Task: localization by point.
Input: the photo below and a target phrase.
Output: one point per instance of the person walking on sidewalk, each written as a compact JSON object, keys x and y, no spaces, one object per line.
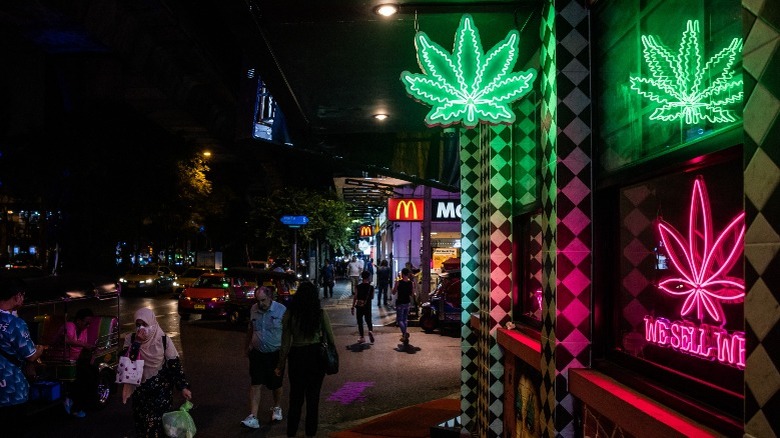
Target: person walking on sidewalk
{"x":328,"y":279}
{"x":362,"y":302}
{"x":354,"y":269}
{"x":263,"y":344}
{"x":304,"y":324}
{"x":405,"y":290}
{"x":383,"y":281}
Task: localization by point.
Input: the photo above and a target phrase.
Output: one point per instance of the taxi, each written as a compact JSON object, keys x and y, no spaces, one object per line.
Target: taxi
{"x":211,"y":292}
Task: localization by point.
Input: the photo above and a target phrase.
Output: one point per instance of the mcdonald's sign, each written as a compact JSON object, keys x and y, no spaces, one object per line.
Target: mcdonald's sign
{"x":366,"y":231}
{"x":410,"y":209}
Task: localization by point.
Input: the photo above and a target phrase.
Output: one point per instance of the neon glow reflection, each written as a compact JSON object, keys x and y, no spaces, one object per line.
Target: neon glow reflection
{"x":686,"y":88}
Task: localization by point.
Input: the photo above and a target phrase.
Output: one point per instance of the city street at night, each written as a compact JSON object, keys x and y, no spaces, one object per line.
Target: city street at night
{"x":370,"y":383}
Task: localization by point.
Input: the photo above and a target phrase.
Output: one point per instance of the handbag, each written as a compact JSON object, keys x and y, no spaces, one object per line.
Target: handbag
{"x":329,"y":357}
{"x":128,"y":370}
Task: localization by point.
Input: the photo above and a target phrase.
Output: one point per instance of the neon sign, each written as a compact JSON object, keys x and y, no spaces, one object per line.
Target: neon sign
{"x":702,"y":341}
{"x":703,"y":262}
{"x":468,"y":85}
{"x":685,"y":88}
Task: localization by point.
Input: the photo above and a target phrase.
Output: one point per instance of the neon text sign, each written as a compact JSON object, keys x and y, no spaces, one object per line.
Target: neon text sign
{"x":468,"y":85}
{"x":686,"y":88}
{"x":702,"y":341}
{"x":703,"y":262}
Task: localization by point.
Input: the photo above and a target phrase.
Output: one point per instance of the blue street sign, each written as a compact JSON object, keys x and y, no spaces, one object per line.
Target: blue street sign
{"x":295,"y":221}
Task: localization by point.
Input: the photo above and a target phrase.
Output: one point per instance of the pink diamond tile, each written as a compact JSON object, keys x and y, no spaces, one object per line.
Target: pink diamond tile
{"x":576,"y":190}
{"x":576,"y":161}
{"x":575,"y":313}
{"x":635,"y":282}
{"x":576,"y":251}
{"x":638,"y":195}
{"x":576,"y":282}
{"x":636,"y":222}
{"x":636,"y":252}
{"x":576,"y":221}
{"x":634,"y":313}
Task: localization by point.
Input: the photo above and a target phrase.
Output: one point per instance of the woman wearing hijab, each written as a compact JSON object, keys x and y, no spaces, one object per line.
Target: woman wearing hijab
{"x":162,"y":371}
{"x":302,"y":326}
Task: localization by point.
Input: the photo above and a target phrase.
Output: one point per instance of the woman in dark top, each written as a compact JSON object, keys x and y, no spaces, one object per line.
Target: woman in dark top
{"x":302,"y":326}
{"x":362,"y":302}
{"x":405,"y":290}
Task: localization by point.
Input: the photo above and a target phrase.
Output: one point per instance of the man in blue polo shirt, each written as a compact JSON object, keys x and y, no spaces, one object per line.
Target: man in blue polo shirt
{"x":16,"y":348}
{"x":263,"y":342}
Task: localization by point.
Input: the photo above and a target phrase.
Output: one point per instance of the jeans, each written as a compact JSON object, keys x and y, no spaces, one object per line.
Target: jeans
{"x":305,"y":384}
{"x":402,"y":316}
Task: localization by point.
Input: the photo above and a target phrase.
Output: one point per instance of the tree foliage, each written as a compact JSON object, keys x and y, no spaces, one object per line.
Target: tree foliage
{"x":328,"y":220}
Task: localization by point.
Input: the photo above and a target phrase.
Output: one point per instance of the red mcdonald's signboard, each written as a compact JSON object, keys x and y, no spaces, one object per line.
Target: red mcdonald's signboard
{"x":409,"y":209}
{"x":366,"y":231}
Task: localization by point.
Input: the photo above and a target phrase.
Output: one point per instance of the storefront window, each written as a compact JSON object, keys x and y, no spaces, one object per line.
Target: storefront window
{"x":681,"y":280}
{"x":669,"y":76}
{"x":528,"y":258}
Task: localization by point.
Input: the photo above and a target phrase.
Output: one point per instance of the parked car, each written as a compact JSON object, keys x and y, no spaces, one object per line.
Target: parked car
{"x":148,"y":279}
{"x":282,"y":286}
{"x":188,"y":277}
{"x":211,"y":292}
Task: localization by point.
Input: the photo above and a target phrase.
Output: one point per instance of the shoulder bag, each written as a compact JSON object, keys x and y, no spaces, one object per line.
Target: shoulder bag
{"x":329,"y":357}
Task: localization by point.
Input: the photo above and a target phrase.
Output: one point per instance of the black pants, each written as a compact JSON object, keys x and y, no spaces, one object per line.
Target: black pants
{"x":381,"y":295}
{"x":327,"y":287}
{"x":305,"y":385}
{"x":364,"y":313}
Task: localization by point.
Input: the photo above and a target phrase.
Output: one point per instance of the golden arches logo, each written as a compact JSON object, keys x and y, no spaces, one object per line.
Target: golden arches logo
{"x":366,"y":231}
{"x":405,"y":209}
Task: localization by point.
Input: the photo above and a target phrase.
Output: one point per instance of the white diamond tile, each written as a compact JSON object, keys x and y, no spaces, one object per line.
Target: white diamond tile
{"x":577,"y":130}
{"x":574,"y":13}
{"x":753,"y":6}
{"x":575,"y":71}
{"x":760,"y":113}
{"x":761,"y":375}
{"x":762,"y":311}
{"x":761,"y":35}
{"x":759,"y":426}
{"x":576,"y":101}
{"x":757,"y":59}
{"x":761,"y":231}
{"x":761,"y":179}
{"x":574,"y":42}
{"x":576,"y":161}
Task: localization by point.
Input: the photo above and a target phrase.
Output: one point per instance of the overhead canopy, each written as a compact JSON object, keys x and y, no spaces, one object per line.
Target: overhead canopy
{"x":332,"y":65}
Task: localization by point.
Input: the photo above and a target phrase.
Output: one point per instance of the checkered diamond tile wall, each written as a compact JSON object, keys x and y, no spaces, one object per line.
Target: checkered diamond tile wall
{"x":470,"y":196}
{"x":566,"y":199}
{"x":761,"y":62}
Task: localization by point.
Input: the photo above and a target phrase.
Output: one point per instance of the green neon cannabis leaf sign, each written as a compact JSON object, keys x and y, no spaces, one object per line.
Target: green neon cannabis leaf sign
{"x":685,"y":88}
{"x":468,"y":85}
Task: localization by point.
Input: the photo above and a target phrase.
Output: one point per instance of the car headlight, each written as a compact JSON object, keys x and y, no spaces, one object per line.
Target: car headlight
{"x":176,"y":283}
{"x":122,"y":280}
{"x":149,"y":281}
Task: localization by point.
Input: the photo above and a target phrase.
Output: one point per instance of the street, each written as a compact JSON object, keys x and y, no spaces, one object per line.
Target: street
{"x":371,"y":382}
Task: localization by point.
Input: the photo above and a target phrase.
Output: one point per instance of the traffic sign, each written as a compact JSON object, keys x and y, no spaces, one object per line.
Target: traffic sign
{"x":295,"y":221}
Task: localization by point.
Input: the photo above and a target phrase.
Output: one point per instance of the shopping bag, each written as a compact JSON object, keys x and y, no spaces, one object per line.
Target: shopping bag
{"x":129,"y":371}
{"x":179,"y":424}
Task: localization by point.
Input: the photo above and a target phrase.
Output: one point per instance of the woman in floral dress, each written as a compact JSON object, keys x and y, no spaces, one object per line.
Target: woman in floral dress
{"x":162,"y":372}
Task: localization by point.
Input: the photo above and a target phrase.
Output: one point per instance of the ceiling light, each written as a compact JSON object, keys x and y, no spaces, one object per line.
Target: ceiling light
{"x":386,"y":10}
{"x":381,"y":116}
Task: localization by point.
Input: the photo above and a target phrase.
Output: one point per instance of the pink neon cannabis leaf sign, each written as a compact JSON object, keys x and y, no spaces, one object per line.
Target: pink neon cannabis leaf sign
{"x":703,"y":260}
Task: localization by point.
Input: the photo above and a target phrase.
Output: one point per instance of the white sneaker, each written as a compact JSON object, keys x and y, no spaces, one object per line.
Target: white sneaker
{"x":251,"y":422}
{"x":277,"y":414}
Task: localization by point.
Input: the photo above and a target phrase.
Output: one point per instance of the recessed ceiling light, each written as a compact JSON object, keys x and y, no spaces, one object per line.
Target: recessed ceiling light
{"x":386,"y":10}
{"x":381,"y":116}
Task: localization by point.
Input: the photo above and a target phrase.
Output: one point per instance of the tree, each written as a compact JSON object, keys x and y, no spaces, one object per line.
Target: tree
{"x":328,"y":220}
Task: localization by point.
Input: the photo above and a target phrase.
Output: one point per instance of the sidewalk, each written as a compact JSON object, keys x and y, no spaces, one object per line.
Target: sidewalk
{"x":409,"y":421}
